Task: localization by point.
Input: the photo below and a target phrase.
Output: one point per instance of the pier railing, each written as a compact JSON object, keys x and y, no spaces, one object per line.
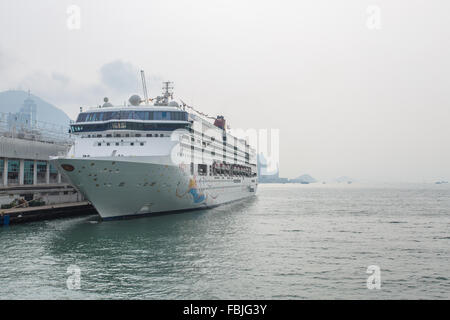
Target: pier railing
{"x":36,"y":131}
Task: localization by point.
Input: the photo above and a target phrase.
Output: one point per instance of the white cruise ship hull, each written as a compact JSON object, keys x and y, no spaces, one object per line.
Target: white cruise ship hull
{"x":130,"y":186}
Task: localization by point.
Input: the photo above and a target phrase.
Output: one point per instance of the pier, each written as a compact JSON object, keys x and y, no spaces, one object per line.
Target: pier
{"x":46,"y":212}
{"x":31,"y":188}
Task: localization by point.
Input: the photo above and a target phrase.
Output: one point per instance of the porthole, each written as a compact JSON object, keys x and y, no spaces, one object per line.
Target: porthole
{"x":68,"y":167}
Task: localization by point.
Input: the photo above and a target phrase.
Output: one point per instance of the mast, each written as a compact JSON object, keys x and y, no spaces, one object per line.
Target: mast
{"x":144,"y":86}
{"x":167,"y":93}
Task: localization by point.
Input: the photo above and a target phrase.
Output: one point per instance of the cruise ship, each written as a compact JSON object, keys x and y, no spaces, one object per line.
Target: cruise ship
{"x":156,"y":155}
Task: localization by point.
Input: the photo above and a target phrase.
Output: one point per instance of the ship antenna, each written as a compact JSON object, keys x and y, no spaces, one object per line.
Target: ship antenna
{"x":144,"y":86}
{"x":167,"y":87}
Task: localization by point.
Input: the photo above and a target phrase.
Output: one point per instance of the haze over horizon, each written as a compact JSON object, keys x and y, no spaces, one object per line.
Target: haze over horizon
{"x":348,"y":100}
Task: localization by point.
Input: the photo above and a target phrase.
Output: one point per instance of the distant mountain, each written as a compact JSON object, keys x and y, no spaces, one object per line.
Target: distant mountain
{"x":305,"y":179}
{"x":12,"y":101}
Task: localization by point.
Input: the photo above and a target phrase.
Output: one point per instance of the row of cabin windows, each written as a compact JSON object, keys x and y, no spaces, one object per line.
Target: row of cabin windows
{"x":99,"y":144}
{"x":136,"y":115}
{"x":224,"y":138}
{"x":127,"y":126}
{"x":202,"y":170}
{"x":213,"y":152}
{"x":118,"y":135}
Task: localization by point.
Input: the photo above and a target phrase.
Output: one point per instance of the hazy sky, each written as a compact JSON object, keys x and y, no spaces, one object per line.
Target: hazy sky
{"x":348,"y":98}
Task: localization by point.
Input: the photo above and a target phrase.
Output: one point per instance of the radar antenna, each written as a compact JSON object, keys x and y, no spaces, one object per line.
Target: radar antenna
{"x":167,"y":93}
{"x":167,"y":87}
{"x":144,"y":86}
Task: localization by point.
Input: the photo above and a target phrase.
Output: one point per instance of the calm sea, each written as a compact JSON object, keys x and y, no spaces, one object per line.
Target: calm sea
{"x":288,"y":242}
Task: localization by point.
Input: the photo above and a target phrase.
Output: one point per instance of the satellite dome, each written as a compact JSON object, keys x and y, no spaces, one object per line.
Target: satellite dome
{"x":107,"y":103}
{"x":173,"y":104}
{"x":135,"y":100}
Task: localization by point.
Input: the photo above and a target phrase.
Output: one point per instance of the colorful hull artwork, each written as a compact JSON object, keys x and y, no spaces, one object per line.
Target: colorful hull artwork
{"x":198,"y":196}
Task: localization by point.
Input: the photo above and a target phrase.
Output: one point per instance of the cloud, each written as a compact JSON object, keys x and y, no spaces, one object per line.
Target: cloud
{"x":120,"y":76}
{"x":11,"y":69}
{"x":117,"y":80}
{"x":63,"y":79}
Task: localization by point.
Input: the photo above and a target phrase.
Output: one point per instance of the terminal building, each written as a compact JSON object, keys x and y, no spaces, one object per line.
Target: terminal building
{"x":25,"y":148}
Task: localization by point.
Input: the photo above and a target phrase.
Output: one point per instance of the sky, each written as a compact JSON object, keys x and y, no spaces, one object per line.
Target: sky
{"x":356,"y":88}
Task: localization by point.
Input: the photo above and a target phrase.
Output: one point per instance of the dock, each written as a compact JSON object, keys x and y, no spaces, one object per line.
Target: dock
{"x":46,"y":212}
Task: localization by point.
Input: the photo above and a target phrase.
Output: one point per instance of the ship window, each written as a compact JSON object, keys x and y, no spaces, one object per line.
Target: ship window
{"x":126,"y":114}
{"x":114,"y":115}
{"x":202,"y":168}
{"x":132,"y":144}
{"x":128,"y":126}
{"x":117,"y":143}
{"x":142,"y":143}
{"x":149,"y":134}
{"x":99,"y":144}
{"x":108,"y":135}
{"x":138,"y":115}
{"x":117,"y":135}
{"x":177,"y":115}
{"x":161,"y":115}
{"x":107,"y":143}
{"x":82,"y":117}
{"x":137,"y":135}
{"x":156,"y":135}
{"x":90,"y":116}
{"x":118,"y":125}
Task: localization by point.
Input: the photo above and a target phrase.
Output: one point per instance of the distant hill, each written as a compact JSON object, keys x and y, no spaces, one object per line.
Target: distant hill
{"x":306,"y":178}
{"x":12,"y":101}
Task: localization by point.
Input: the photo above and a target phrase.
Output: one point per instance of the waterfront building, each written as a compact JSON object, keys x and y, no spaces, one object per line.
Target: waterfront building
{"x":25,"y":148}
